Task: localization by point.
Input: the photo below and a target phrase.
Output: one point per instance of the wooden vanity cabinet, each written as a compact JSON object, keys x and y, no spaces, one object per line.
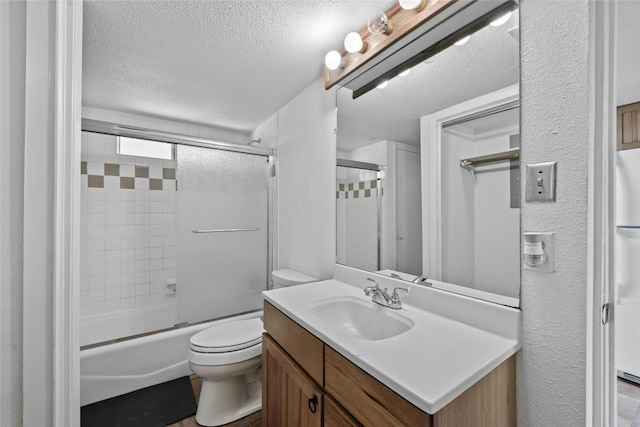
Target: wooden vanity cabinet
{"x":336,"y":416}
{"x":307,"y":383}
{"x":290,"y":397}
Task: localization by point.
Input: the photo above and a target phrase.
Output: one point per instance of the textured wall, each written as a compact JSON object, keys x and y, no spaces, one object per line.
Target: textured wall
{"x":12,"y":87}
{"x":555,"y":122}
{"x":306,"y":182}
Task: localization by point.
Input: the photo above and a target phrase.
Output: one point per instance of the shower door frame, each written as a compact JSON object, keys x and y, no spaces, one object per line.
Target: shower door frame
{"x":353,"y":164}
{"x":114,"y":129}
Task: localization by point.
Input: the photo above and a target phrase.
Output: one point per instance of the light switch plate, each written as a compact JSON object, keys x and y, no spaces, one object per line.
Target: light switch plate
{"x":541,"y":182}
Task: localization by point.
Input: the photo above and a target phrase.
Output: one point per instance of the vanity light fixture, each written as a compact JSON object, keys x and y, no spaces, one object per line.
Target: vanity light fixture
{"x":380,"y":23}
{"x":333,"y":60}
{"x":383,"y":84}
{"x":353,"y":43}
{"x":501,"y":20}
{"x":462,"y":41}
{"x":405,"y":72}
{"x":416,"y":5}
{"x":410,"y":36}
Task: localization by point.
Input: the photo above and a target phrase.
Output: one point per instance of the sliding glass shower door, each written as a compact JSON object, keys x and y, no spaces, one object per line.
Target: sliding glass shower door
{"x":222,"y":233}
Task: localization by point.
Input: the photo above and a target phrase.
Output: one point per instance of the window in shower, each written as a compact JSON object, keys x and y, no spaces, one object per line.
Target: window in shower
{"x":145,"y":148}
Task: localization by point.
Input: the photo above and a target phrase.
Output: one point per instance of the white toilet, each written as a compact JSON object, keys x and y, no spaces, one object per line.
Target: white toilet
{"x":228,"y":358}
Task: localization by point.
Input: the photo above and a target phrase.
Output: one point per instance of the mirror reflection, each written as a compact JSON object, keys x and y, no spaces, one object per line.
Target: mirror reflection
{"x":408,"y":205}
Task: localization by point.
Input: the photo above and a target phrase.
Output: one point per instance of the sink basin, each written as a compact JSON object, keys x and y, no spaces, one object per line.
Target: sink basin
{"x":361,"y":319}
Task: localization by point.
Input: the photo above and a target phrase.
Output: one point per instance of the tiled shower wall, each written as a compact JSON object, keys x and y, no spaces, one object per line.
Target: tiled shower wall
{"x":128,"y":236}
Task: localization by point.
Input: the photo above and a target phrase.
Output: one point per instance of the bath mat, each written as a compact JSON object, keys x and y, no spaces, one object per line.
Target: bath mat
{"x":154,"y":406}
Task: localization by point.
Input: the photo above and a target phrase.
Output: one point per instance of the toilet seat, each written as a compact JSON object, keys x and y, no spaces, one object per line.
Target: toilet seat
{"x":227,"y":342}
{"x":228,"y":336}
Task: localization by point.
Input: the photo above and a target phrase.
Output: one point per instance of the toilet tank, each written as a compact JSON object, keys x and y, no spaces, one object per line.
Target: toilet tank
{"x":286,"y":278}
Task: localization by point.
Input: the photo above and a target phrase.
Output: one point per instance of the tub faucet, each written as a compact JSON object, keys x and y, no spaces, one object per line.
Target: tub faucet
{"x":381,"y":296}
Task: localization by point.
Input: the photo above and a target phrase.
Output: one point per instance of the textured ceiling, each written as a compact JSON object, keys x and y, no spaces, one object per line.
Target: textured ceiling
{"x":487,"y":62}
{"x":228,"y":64}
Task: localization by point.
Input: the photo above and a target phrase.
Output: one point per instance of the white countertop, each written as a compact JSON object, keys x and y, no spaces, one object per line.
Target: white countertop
{"x":430,"y":364}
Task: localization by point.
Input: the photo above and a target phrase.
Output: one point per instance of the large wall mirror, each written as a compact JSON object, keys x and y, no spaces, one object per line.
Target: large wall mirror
{"x":428,"y":174}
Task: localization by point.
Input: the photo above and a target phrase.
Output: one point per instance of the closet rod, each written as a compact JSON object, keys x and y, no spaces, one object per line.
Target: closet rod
{"x":511,"y":154}
{"x":225,"y":230}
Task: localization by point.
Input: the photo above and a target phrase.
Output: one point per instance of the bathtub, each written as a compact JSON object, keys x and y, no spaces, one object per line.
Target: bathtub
{"x":125,"y":323}
{"x":117,"y":368}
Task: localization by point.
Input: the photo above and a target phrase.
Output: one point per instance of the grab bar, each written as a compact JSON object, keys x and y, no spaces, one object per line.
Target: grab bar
{"x":226,"y":230}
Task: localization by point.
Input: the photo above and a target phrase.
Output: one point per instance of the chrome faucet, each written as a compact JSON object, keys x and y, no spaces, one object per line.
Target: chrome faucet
{"x":381,"y":296}
{"x":422,"y":280}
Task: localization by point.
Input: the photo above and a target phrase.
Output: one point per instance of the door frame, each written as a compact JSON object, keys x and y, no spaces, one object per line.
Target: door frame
{"x":66,"y":246}
{"x":431,"y":127}
{"x":600,"y":346}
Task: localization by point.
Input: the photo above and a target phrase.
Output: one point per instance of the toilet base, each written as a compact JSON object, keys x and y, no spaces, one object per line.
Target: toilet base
{"x":224,"y":401}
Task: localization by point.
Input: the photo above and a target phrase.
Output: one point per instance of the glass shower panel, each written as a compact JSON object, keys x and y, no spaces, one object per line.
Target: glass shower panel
{"x":358,"y":218}
{"x":222,"y":230}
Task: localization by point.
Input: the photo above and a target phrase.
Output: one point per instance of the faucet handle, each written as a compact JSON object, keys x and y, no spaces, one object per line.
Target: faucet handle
{"x":395,"y":298}
{"x":369,"y":290}
{"x":395,"y":292}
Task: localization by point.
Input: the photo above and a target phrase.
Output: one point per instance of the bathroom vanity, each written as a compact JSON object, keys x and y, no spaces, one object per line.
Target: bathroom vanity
{"x":331,"y":357}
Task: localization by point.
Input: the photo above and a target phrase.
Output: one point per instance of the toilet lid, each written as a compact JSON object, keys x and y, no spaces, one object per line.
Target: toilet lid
{"x":228,"y":336}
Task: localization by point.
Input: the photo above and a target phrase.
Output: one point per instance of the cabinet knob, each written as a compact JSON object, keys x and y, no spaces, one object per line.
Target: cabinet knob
{"x":313,"y":404}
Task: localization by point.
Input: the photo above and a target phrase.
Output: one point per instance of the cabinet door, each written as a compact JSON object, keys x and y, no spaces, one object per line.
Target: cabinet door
{"x":289,"y":395}
{"x":629,"y":126}
{"x":336,"y":416}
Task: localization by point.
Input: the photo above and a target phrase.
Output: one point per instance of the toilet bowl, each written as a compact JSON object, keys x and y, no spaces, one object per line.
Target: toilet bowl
{"x":227,"y":357}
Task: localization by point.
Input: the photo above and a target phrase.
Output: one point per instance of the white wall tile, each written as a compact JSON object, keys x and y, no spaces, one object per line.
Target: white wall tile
{"x":111,"y":294}
{"x":113,"y":268}
{"x":127,"y":303}
{"x":142,"y":266}
{"x":155,"y":253}
{"x":96,"y":282}
{"x":156,"y":265}
{"x":128,"y":279}
{"x":127,"y":291}
{"x":112,"y":280}
{"x":142,"y":289}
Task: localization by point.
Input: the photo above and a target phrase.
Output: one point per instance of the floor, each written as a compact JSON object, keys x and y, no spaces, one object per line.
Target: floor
{"x":253,"y":420}
{"x":628,"y":404}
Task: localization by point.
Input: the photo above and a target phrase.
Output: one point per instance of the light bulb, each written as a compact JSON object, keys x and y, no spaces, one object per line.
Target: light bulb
{"x":501,"y":20}
{"x":416,"y":5}
{"x":405,"y":72}
{"x":383,"y":84}
{"x":333,"y":60}
{"x":462,"y":41}
{"x":380,"y":23}
{"x":353,"y":43}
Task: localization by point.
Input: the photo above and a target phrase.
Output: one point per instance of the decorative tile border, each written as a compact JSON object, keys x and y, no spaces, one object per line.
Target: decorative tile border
{"x":360,"y":189}
{"x":130,"y":175}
